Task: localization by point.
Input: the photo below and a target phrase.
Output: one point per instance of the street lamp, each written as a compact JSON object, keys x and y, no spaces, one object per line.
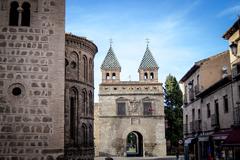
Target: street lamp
{"x":233,"y":48}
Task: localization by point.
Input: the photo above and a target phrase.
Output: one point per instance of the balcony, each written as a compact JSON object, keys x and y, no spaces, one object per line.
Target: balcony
{"x":185,"y":128}
{"x":196,"y":126}
{"x":197,"y":89}
{"x":215,"y":121}
{"x":191,"y":94}
{"x":185,"y":99}
{"x":236,"y":117}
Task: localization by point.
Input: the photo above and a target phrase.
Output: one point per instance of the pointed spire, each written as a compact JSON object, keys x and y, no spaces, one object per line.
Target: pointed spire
{"x":148,"y":61}
{"x":110,"y":61}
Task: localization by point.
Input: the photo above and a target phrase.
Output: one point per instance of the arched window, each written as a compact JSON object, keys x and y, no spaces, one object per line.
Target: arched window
{"x":107,"y":76}
{"x":90,"y":102}
{"x":84,"y":96}
{"x":114,"y":76}
{"x":90,"y":135}
{"x":85,"y":68}
{"x":84,"y":135}
{"x":73,"y":96}
{"x":151,"y":75}
{"x":13,"y":17}
{"x":26,"y":14}
{"x":145,"y":75}
{"x":90,"y":70}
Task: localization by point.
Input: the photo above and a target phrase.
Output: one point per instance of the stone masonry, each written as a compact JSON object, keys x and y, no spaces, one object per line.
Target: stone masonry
{"x":32,"y":79}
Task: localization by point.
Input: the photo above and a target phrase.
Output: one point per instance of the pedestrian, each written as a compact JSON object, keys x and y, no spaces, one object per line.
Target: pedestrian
{"x":177,"y":154}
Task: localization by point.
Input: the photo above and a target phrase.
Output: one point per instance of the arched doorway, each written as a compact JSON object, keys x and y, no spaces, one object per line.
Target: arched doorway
{"x":134,"y":147}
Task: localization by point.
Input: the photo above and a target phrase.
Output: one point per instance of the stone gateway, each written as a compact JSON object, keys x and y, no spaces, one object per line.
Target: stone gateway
{"x":129,"y":118}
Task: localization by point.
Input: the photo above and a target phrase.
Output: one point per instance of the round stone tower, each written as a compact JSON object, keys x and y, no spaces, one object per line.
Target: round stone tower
{"x":79,"y":97}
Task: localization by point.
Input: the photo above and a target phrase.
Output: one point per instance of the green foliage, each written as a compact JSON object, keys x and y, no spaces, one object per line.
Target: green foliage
{"x":173,"y":111}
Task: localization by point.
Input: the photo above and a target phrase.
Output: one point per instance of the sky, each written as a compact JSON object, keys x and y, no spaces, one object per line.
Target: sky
{"x":180,"y":32}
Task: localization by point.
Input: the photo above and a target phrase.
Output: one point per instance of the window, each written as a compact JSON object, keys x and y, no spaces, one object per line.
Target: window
{"x":90,"y":101}
{"x":147,"y":108}
{"x":90,"y":134}
{"x":186,"y":119}
{"x":26,"y":14}
{"x":85,"y":68}
{"x":73,"y":107}
{"x":225,"y":103}
{"x":145,"y":76}
{"x":199,"y":114}
{"x":193,"y":115}
{"x":197,"y":79}
{"x":84,"y":96}
{"x":121,"y":108}
{"x":239,"y":91}
{"x":107,"y":76}
{"x":208,"y":110}
{"x":84,"y":135}
{"x":151,"y":75}
{"x":90,"y":70}
{"x":114,"y":76}
{"x":13,"y":17}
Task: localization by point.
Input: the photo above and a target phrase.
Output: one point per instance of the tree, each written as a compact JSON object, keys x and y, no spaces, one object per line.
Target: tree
{"x":173,"y":111}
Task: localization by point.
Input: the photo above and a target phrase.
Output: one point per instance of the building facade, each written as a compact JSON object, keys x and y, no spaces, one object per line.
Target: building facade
{"x":129,"y":118}
{"x":203,"y":104}
{"x":41,"y":94}
{"x":211,"y":105}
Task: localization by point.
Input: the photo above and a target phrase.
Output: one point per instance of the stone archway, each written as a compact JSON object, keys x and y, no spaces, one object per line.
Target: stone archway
{"x":134,"y":145}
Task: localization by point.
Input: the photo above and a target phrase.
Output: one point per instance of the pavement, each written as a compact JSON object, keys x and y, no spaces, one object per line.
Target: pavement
{"x":142,"y":158}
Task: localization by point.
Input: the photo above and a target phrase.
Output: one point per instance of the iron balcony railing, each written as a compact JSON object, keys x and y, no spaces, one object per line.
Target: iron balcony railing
{"x":196,"y":126}
{"x":196,"y":89}
{"x":191,"y":94}
{"x":214,"y":121}
{"x":236,"y":112}
{"x":185,"y":128}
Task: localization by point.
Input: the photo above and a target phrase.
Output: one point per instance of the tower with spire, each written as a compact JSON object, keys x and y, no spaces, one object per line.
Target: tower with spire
{"x":110,"y":67}
{"x":129,"y":118}
{"x":148,"y":69}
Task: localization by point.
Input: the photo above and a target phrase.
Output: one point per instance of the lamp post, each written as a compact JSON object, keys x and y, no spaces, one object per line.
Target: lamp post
{"x":233,"y":48}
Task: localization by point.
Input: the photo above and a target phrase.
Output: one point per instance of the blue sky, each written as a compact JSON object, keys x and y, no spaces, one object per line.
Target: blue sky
{"x":180,"y":31}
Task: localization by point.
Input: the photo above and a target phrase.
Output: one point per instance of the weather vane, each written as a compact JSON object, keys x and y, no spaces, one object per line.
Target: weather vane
{"x":147,"y":41}
{"x":111,"y":42}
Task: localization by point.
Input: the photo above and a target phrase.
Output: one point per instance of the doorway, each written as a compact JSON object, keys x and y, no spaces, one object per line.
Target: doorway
{"x":134,"y":147}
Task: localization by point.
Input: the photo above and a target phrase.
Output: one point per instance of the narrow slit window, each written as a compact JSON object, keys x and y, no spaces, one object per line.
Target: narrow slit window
{"x":26,"y":14}
{"x":13,"y":17}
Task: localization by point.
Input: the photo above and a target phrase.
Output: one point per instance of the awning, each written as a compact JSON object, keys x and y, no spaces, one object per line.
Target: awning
{"x":203,"y":138}
{"x":233,"y":139}
{"x":188,"y":141}
{"x":221,"y":135}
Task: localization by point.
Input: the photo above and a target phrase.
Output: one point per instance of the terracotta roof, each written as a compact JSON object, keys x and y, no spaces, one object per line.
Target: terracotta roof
{"x":110,"y":61}
{"x":148,"y":61}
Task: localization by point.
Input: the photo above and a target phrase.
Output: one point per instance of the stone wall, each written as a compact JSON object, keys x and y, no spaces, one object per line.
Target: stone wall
{"x":112,"y":130}
{"x":32,"y":83}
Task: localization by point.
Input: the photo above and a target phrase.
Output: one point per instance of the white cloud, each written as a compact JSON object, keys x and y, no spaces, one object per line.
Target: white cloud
{"x":234,"y":10}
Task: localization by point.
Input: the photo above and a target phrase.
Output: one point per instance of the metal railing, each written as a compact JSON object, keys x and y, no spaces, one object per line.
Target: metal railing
{"x":236,"y":112}
{"x":214,"y":121}
{"x":185,"y":128}
{"x":191,"y":94}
